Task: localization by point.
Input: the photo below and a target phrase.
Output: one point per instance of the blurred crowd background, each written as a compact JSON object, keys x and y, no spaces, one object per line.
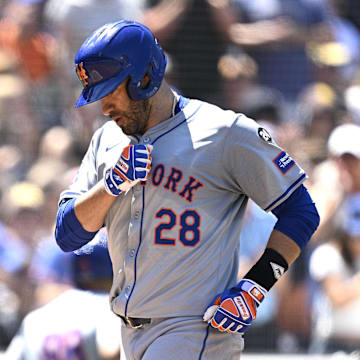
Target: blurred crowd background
{"x":292,"y":65}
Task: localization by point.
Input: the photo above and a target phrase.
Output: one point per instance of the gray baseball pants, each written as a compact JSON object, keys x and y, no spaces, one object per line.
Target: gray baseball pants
{"x":179,"y":338}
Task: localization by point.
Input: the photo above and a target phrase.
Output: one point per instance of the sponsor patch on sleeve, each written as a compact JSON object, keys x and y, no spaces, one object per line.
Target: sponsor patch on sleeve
{"x":284,"y":162}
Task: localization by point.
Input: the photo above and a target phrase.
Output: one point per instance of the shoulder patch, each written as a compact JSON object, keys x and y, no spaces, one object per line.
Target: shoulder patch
{"x":263,"y":134}
{"x":284,"y":162}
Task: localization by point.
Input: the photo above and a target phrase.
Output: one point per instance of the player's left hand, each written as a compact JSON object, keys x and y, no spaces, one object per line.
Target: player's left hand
{"x":234,"y":310}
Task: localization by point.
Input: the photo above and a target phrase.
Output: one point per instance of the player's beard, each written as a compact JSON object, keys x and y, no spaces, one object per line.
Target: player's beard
{"x":136,"y":119}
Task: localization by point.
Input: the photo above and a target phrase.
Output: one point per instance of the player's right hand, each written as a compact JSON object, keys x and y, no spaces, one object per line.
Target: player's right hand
{"x":133,"y":166}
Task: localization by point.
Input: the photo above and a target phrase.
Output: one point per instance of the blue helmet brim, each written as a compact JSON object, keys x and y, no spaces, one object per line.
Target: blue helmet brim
{"x":100,"y":90}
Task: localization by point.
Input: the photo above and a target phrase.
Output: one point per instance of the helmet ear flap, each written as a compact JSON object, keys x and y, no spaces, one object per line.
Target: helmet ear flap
{"x":132,"y":89}
{"x":140,"y":90}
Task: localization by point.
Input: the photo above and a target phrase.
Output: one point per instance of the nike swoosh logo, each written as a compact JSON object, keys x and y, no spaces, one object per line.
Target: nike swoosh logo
{"x":110,"y":147}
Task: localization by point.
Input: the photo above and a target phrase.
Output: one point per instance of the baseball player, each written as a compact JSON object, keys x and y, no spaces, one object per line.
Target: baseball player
{"x":77,"y":324}
{"x":170,"y":177}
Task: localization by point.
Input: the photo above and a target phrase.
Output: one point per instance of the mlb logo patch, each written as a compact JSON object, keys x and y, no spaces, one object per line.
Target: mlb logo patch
{"x":284,"y":162}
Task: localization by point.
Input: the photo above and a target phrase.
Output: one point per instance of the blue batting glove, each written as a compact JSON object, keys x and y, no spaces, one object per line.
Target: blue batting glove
{"x":234,"y":310}
{"x":133,"y":166}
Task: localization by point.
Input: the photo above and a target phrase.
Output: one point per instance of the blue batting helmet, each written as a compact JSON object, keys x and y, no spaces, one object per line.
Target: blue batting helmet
{"x":114,"y":52}
{"x":92,"y":266}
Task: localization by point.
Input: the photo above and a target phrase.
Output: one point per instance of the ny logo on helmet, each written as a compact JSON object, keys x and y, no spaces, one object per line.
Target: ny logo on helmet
{"x":81,"y":73}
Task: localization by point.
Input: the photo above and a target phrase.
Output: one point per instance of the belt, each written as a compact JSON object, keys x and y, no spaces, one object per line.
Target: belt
{"x":135,"y":323}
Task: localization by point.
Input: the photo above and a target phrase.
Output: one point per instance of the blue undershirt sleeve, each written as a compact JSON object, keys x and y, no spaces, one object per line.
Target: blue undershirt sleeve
{"x":69,"y":233}
{"x":297,"y":217}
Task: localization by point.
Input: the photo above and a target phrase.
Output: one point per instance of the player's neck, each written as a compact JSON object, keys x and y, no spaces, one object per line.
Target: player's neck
{"x":162,"y":105}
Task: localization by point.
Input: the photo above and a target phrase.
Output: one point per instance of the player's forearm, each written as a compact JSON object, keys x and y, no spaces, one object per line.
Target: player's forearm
{"x":91,"y":208}
{"x":297,"y":221}
{"x":285,"y":246}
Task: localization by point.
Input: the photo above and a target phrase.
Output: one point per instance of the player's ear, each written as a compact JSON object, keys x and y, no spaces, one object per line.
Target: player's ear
{"x":145,"y":82}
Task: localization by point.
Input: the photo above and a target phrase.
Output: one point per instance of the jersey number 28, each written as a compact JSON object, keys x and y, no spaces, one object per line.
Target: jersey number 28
{"x":188,"y":232}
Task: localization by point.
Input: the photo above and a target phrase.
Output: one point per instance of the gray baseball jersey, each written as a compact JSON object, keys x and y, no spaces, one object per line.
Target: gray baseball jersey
{"x":174,"y":241}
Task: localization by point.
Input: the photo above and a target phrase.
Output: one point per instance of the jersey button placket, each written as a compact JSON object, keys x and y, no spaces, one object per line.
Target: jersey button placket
{"x":127,"y":291}
{"x":133,"y":242}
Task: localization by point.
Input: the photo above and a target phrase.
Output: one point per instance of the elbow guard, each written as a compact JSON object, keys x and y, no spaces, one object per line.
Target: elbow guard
{"x":69,"y":233}
{"x":297,"y":217}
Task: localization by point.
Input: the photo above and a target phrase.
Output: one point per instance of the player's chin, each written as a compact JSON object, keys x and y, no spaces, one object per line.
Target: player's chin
{"x":128,"y":130}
